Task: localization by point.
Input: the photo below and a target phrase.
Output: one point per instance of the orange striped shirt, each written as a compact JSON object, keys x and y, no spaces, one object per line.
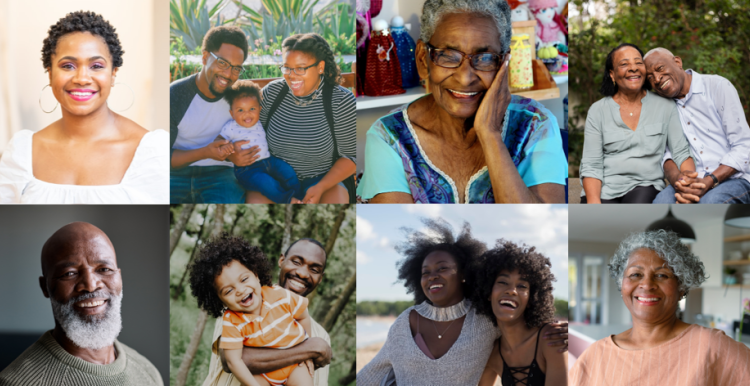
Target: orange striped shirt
{"x":275,"y":327}
{"x":699,"y":356}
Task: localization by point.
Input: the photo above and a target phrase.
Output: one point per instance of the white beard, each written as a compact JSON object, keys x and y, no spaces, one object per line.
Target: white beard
{"x":92,"y":332}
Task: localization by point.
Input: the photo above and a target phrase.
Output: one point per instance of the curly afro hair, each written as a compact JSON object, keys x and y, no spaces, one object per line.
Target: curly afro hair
{"x":214,"y":256}
{"x":463,"y":247}
{"x":532,"y":265}
{"x":242,"y":88}
{"x":314,"y":44}
{"x":608,"y":87}
{"x":82,"y":21}
{"x":217,"y":36}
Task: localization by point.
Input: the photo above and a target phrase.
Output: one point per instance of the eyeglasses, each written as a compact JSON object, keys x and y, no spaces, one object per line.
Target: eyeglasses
{"x":299,"y":70}
{"x":223,"y":65}
{"x":448,"y":58}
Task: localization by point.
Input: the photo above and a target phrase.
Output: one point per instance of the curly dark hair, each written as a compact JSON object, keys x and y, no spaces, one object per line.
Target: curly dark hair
{"x":217,"y":36}
{"x":242,"y":88}
{"x":464,"y":248}
{"x":609,"y":88}
{"x":532,"y":265}
{"x":82,"y":21}
{"x":315,"y":45}
{"x":213,"y":257}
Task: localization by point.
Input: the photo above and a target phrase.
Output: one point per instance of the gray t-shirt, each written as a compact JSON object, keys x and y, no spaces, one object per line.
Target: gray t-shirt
{"x":624,"y":159}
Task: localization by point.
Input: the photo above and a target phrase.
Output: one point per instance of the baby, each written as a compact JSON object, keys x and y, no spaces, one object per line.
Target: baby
{"x":232,"y":279}
{"x":269,"y":175}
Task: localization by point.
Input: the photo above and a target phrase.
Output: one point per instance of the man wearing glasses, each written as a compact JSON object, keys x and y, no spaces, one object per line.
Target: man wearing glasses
{"x":200,"y":171}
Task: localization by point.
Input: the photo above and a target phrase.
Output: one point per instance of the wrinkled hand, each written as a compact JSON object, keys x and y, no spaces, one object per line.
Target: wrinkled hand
{"x":310,"y":366}
{"x":687,"y":184}
{"x":558,"y":336}
{"x":696,"y":190}
{"x":244,"y":157}
{"x":324,"y":352}
{"x":216,"y":149}
{"x":313,"y":195}
{"x":491,"y":110}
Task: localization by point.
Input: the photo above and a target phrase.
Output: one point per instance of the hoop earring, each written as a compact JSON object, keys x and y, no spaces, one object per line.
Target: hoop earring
{"x":131,"y":103}
{"x":40,"y":101}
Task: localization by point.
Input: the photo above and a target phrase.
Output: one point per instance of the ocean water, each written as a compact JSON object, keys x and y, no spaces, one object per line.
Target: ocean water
{"x":371,"y":331}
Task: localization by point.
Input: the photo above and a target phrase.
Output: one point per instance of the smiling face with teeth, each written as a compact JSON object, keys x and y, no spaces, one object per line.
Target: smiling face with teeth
{"x":459,"y":91}
{"x":303,"y":85}
{"x":666,"y":75}
{"x":81,"y":74}
{"x":239,"y":288}
{"x":441,"y":280}
{"x":301,"y":268}
{"x":650,"y":289}
{"x":509,"y":296}
{"x":629,"y":71}
{"x":213,"y":81}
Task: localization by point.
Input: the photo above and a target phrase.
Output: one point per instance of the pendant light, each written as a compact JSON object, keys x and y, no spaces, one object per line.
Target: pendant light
{"x":738,"y":215}
{"x":672,"y":223}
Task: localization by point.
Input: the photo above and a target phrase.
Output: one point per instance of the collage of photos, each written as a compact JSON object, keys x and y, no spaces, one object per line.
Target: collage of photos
{"x":232,"y":195}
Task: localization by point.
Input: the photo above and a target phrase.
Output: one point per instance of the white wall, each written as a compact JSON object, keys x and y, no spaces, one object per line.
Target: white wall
{"x":143,"y":29}
{"x":709,"y":246}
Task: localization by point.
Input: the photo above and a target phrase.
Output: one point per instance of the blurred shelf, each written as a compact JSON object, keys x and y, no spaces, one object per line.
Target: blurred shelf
{"x":560,"y":79}
{"x":738,"y":286}
{"x":735,"y":239}
{"x":369,"y":102}
{"x":737,"y":262}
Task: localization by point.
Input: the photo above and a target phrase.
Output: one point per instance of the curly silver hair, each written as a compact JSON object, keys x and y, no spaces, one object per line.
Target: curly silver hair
{"x":686,"y":266}
{"x":498,"y":10}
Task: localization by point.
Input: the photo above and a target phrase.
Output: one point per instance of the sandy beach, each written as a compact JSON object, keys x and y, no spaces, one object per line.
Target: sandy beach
{"x":365,"y":354}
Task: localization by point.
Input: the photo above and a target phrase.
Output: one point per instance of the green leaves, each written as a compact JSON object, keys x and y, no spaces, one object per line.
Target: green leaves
{"x":191,"y":19}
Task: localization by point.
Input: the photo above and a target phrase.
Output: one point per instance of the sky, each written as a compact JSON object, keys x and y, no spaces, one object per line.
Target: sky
{"x":379,"y":230}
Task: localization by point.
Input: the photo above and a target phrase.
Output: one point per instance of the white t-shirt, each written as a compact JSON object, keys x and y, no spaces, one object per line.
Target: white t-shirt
{"x":256,"y":135}
{"x":145,"y":182}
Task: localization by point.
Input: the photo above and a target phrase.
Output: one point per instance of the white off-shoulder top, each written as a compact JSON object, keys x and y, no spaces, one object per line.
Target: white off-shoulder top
{"x":145,"y":182}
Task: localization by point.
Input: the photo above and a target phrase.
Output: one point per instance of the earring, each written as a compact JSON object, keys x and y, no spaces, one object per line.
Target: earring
{"x":131,"y":103}
{"x":40,"y":101}
{"x":463,"y":281}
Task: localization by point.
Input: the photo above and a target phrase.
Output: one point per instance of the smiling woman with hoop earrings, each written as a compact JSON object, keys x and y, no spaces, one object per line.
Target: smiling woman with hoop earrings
{"x":91,"y":155}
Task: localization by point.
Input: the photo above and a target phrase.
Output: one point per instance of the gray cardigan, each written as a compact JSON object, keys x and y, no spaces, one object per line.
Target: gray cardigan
{"x":463,"y":364}
{"x":624,"y":159}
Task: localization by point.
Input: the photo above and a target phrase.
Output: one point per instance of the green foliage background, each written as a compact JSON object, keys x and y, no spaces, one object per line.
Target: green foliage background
{"x":263,"y":226}
{"x":381,"y":308}
{"x":711,"y":37}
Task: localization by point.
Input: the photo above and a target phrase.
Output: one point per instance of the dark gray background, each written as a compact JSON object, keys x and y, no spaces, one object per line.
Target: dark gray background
{"x":140,"y":235}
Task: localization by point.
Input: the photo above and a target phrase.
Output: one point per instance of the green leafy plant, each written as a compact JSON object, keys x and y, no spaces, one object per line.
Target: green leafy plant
{"x":337,"y":27}
{"x":191,"y":19}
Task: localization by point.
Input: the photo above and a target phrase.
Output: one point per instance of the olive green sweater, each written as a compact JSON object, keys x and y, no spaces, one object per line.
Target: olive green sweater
{"x":47,"y":363}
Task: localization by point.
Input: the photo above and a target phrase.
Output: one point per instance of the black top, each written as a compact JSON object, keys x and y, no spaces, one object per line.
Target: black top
{"x":534,"y":375}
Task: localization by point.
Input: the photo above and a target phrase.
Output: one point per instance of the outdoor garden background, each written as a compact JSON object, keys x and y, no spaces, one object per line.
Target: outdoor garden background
{"x":711,"y":37}
{"x":266,"y":23}
{"x":272,"y":228}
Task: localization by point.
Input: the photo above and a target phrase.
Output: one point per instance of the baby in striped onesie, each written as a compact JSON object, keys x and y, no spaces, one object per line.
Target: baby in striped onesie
{"x":256,"y":314}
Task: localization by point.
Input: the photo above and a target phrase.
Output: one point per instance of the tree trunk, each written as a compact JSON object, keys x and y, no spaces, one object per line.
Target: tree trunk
{"x":349,"y":378}
{"x":198,"y":242}
{"x":192,"y":349}
{"x":335,"y":229}
{"x":338,"y":306}
{"x":241,"y":210}
{"x":200,"y":325}
{"x":286,"y":239}
{"x":179,"y":227}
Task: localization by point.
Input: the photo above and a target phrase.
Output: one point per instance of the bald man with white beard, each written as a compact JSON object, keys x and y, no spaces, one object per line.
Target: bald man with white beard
{"x":81,"y":278}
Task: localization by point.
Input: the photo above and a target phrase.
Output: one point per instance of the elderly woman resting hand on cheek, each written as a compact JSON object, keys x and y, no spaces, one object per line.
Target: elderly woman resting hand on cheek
{"x":469,"y":140}
{"x":654,"y":271}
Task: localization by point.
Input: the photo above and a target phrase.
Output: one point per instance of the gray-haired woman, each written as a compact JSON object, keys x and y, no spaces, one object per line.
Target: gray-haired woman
{"x":468,"y":140}
{"x":654,"y":270}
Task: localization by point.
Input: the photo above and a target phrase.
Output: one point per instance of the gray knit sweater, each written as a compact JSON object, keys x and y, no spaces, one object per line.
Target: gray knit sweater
{"x":462,"y":365}
{"x":47,"y":363}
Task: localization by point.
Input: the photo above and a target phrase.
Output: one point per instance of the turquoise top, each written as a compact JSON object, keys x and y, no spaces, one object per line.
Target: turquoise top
{"x":624,"y":159}
{"x":396,"y":162}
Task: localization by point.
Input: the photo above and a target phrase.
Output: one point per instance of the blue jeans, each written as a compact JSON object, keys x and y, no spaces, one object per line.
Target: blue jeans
{"x":272,"y":177}
{"x":735,"y":191}
{"x":204,"y":185}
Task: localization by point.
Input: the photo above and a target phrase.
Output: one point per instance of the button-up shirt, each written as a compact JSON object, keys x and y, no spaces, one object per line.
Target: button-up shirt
{"x":715,"y":126}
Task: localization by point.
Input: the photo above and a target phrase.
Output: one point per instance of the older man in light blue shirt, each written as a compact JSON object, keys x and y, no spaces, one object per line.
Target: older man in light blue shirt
{"x":714,"y":124}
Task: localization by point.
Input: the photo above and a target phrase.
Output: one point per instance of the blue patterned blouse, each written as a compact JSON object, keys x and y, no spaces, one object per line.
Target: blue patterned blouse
{"x":395,"y":161}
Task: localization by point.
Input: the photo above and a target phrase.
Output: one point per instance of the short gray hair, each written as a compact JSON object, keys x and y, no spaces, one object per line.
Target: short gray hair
{"x":659,"y":49}
{"x":686,"y":266}
{"x":498,"y":10}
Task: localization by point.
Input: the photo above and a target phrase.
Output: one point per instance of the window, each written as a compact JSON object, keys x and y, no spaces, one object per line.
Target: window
{"x":586,"y":289}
